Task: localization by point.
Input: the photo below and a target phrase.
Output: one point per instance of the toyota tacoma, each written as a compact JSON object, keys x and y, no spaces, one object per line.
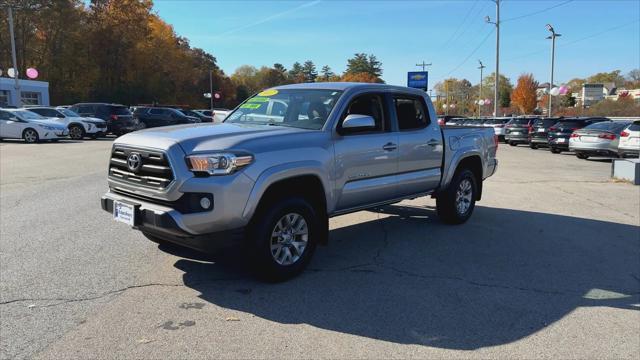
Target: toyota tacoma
{"x":286,"y":160}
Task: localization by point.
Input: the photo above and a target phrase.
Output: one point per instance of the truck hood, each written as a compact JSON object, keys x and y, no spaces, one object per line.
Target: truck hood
{"x":194,"y":138}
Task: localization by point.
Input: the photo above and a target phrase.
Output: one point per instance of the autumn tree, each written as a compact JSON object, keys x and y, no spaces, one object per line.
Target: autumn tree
{"x":363,"y":63}
{"x":363,"y":77}
{"x":524,"y":95}
{"x":326,"y":73}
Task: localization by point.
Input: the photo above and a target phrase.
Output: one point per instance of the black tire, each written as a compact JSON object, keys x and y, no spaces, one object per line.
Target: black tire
{"x":259,"y":241}
{"x":76,"y":132}
{"x":533,"y":146}
{"x":513,"y":143}
{"x":30,"y":136}
{"x":555,"y":150}
{"x":582,"y":156}
{"x":446,"y":200}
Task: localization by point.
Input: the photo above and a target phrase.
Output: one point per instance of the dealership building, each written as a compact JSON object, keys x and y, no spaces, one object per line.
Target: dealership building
{"x":29,"y":92}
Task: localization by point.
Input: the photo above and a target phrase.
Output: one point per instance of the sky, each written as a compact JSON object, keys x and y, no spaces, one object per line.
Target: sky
{"x":597,"y":35}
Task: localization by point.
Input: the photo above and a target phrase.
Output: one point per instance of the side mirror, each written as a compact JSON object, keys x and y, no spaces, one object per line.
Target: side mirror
{"x":356,"y":122}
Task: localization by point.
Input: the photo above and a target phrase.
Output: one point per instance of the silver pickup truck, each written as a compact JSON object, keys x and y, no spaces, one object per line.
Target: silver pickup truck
{"x":285,"y":161}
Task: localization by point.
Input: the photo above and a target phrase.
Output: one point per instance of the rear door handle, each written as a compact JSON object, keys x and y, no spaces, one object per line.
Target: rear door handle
{"x":390,"y":146}
{"x":433,"y":142}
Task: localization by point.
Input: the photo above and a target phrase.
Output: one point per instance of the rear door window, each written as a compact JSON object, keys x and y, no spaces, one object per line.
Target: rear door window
{"x":411,"y":113}
{"x":635,"y":126}
{"x":119,"y":110}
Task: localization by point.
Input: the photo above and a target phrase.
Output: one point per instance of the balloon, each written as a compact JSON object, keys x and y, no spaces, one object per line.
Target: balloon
{"x":555,"y":91}
{"x":480,"y":102}
{"x":32,"y":73}
{"x":564,"y":90}
{"x":12,"y":72}
{"x":487,"y":101}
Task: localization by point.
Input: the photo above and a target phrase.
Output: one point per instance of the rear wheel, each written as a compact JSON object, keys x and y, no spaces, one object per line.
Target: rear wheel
{"x":555,"y":150}
{"x":283,"y":238}
{"x":533,"y":146}
{"x":582,"y":156}
{"x":30,"y":136}
{"x":455,"y":205}
{"x":513,"y":143}
{"x":76,"y":132}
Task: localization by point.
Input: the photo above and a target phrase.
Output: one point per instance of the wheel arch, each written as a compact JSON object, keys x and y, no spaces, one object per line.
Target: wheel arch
{"x":474,"y":164}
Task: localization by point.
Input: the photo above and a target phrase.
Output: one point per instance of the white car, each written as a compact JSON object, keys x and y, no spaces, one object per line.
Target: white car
{"x":629,"y":144}
{"x":78,"y":126}
{"x":218,"y":114}
{"x":27,"y":125}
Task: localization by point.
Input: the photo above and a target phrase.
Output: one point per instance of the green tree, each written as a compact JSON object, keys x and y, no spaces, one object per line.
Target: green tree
{"x":363,"y":63}
{"x":295,"y":73}
{"x":567,"y":100}
{"x":326,"y":73}
{"x":607,"y":77}
{"x":309,"y":71}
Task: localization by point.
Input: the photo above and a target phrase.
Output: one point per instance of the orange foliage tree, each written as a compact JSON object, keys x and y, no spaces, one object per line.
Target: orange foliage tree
{"x":524,"y":95}
{"x":361,"y":77}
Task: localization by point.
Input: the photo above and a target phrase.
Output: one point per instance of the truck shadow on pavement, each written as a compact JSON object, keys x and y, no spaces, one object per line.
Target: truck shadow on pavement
{"x":407,"y":278}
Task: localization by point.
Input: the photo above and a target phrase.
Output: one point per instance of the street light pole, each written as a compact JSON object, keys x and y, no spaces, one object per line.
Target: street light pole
{"x":496,"y":85}
{"x":553,"y":37}
{"x":211,"y":88}
{"x":13,"y":56}
{"x":481,"y":67}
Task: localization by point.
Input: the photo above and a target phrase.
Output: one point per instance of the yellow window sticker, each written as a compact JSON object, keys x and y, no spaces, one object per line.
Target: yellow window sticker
{"x":270,"y":92}
{"x":250,"y":106}
{"x":258,"y":99}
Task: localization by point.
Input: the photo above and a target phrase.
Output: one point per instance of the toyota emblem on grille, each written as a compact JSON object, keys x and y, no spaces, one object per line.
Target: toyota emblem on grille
{"x":134,"y":161}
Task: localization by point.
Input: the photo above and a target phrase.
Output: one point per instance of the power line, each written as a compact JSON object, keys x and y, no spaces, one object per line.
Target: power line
{"x":472,"y":52}
{"x":576,"y":41}
{"x":538,"y":12}
{"x":466,"y":17}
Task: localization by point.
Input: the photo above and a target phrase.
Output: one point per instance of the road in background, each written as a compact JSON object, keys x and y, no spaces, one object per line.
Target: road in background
{"x":546,"y":267}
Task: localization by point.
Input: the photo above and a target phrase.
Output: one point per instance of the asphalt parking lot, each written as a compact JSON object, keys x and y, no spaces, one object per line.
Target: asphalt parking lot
{"x":547,"y":267}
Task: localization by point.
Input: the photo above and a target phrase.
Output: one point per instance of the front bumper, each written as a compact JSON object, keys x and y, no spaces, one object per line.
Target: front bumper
{"x":165,"y":223}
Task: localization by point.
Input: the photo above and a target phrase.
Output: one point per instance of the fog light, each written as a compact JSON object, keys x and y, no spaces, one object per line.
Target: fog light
{"x":205,"y":203}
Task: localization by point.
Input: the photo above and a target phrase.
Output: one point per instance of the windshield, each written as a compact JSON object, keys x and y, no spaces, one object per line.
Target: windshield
{"x":28,"y":115}
{"x":68,"y":112}
{"x":519,"y":121}
{"x":300,"y":108}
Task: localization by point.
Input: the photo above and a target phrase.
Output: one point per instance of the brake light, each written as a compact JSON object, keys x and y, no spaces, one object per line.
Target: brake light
{"x":607,"y":136}
{"x":624,"y":134}
{"x":496,"y":142}
{"x":530,"y":129}
{"x":114,"y":117}
{"x":553,"y":128}
{"x":574,"y":129}
{"x":574,"y":135}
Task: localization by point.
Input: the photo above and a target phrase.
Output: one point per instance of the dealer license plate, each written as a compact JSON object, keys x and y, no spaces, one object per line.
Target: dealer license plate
{"x":541,"y":130}
{"x":124,"y":213}
{"x":560,"y":140}
{"x":515,"y":132}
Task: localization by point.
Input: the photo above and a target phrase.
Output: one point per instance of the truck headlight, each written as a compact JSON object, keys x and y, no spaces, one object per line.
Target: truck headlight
{"x":218,"y":163}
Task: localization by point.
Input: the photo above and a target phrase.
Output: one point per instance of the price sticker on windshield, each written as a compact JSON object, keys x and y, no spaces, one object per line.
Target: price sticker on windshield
{"x":268,"y":92}
{"x":250,"y":106}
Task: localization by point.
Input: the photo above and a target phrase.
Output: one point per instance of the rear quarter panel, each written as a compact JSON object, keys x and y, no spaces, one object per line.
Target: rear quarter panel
{"x":461,"y":143}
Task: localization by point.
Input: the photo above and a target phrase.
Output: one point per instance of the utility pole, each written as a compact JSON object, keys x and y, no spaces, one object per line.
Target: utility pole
{"x":211,"y":88}
{"x":497,"y":24}
{"x":13,"y":56}
{"x":446,"y":107}
{"x":553,"y":37}
{"x":423,"y":65}
{"x":481,"y":67}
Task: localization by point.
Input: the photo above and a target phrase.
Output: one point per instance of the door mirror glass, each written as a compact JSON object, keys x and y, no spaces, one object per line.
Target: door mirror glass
{"x":356,"y":122}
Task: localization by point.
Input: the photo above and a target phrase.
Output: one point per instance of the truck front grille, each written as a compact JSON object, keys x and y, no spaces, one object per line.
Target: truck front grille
{"x":141,"y":167}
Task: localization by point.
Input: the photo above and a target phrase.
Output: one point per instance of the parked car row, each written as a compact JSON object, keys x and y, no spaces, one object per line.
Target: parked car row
{"x":585,"y":136}
{"x":93,"y":120}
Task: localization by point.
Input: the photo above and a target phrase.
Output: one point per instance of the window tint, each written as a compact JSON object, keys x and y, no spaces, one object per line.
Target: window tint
{"x":411,"y":113}
{"x":545,"y":122}
{"x":157,"y":111}
{"x":45,"y":112}
{"x":635,"y":126}
{"x":278,"y":109}
{"x":119,"y":110}
{"x":371,"y":105}
{"x":519,"y":121}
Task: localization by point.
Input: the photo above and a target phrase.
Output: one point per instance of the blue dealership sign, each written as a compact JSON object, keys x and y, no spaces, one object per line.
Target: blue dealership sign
{"x":418,"y":79}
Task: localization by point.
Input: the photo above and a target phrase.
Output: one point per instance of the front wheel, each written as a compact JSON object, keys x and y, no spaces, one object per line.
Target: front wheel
{"x":533,"y":146}
{"x":555,"y":150}
{"x":455,"y":205}
{"x":76,"y":132}
{"x":30,"y":136}
{"x":513,"y":143}
{"x":582,"y":156}
{"x":283,"y":238}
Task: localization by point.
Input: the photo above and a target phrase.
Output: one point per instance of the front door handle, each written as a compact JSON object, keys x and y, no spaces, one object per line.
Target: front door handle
{"x":433,"y":142}
{"x":390,"y":146}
